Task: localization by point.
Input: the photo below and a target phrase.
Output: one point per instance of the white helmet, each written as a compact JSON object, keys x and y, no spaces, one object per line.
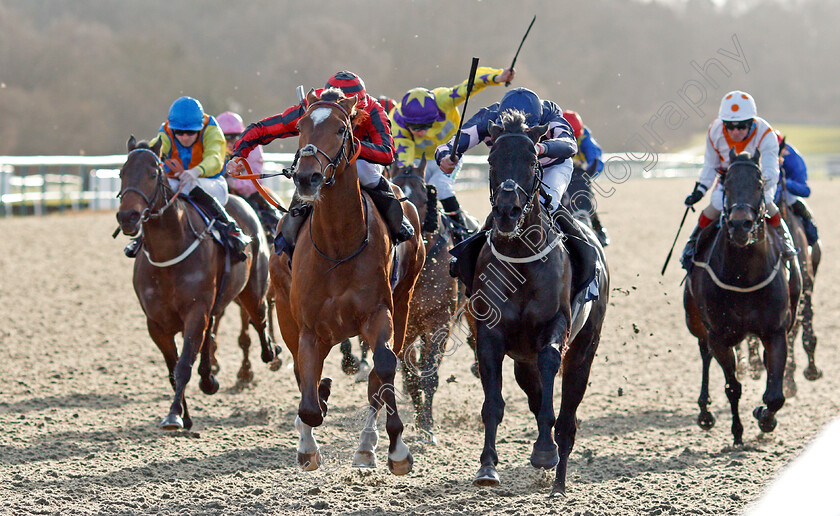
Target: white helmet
{"x":737,"y":105}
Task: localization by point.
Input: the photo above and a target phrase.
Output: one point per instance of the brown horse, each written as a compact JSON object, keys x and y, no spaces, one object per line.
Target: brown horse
{"x":742,"y":288}
{"x":181,"y":278}
{"x":434,"y":302}
{"x":340,"y":281}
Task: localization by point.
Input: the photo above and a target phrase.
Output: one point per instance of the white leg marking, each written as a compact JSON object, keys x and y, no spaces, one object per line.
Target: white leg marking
{"x":307,"y":443}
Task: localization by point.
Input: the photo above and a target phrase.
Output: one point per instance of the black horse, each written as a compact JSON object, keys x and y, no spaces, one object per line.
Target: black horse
{"x":526,"y":305}
{"x":740,"y":285}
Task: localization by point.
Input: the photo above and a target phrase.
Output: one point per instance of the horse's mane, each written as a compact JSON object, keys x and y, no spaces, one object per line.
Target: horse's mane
{"x":743,"y":156}
{"x":513,"y":121}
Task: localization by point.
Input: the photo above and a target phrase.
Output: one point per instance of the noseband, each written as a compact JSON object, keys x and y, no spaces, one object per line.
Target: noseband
{"x":312,"y":150}
{"x":161,"y":185}
{"x":509,"y":185}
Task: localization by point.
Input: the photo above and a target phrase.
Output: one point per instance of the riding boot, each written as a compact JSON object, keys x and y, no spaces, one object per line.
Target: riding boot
{"x":452,"y":209}
{"x":600,"y":232}
{"x":133,"y":247}
{"x":583,"y":254}
{"x":801,"y":210}
{"x":788,"y":248}
{"x":390,"y":207}
{"x":268,"y":214}
{"x":236,"y":239}
{"x":290,"y":225}
{"x":689,"y":250}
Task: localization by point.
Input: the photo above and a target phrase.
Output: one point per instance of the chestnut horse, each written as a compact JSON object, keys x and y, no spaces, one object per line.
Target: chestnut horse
{"x":742,"y":288}
{"x":526,"y":305}
{"x":434,"y":302}
{"x":181,"y":278}
{"x":340,"y":281}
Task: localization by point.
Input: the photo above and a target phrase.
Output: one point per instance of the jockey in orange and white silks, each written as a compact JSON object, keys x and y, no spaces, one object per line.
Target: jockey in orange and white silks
{"x":737,"y":127}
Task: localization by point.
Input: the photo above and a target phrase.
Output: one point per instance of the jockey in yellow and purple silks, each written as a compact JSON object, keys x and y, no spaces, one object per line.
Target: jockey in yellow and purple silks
{"x":193,"y":151}
{"x":425,"y":119}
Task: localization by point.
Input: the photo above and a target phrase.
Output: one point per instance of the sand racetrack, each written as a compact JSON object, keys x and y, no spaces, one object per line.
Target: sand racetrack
{"x":84,"y":389}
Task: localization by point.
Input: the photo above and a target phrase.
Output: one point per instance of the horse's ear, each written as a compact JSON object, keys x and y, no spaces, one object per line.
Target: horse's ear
{"x":494,"y":130}
{"x":131,"y":144}
{"x":348,"y":103}
{"x":756,"y":157}
{"x":156,"y":147}
{"x":535,"y":133}
{"x":732,"y":154}
{"x":311,"y":97}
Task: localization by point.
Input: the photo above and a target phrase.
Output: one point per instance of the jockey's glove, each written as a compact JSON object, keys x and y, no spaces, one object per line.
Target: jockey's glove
{"x":190,"y":174}
{"x":695,"y":196}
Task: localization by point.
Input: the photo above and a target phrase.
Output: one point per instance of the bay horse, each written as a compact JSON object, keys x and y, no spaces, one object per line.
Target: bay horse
{"x":340,"y":281}
{"x":434,"y":302}
{"x":182,"y":279}
{"x":525,"y":306}
{"x":742,"y":288}
{"x":809,"y":261}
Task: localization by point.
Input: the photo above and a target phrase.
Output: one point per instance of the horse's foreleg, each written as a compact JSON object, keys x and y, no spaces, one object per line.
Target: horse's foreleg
{"x":310,"y":364}
{"x":577,"y":364}
{"x":721,"y":348}
{"x":789,"y":381}
{"x":255,"y":309}
{"x":194,"y":329}
{"x":412,"y":376}
{"x":775,"y":355}
{"x":490,"y":351}
{"x":430,"y":357}
{"x":214,"y":350}
{"x":706,"y":420}
{"x":528,"y":376}
{"x":165,"y":341}
{"x":245,"y":374}
{"x":349,"y":363}
{"x":208,"y":382}
{"x":809,"y":338}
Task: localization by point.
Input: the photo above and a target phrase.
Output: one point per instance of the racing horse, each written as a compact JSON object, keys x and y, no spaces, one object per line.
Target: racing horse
{"x":183,"y":279}
{"x":345,"y":279}
{"x":743,"y":287}
{"x":526,"y":306}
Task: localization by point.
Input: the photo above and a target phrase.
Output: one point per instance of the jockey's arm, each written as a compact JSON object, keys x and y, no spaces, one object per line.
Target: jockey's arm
{"x":213,"y":159}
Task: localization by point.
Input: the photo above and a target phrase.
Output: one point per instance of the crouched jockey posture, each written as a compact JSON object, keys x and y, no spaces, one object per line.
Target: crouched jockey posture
{"x":796,"y":187}
{"x":193,"y":152}
{"x":554,"y":152}
{"x":737,"y":128}
{"x":425,"y":119}
{"x":377,"y":151}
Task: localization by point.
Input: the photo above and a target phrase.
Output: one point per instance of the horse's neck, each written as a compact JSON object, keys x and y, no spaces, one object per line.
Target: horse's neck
{"x":338,"y":219}
{"x":745,"y":263}
{"x":166,"y":233}
{"x":535,"y":236}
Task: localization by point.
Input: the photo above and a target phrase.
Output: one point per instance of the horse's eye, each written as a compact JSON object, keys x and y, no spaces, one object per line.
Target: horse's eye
{"x":341,"y":131}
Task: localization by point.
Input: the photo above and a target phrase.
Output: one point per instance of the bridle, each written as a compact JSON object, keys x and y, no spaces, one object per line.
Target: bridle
{"x":161,"y":188}
{"x":342,"y":154}
{"x":758,"y":212}
{"x":509,"y":185}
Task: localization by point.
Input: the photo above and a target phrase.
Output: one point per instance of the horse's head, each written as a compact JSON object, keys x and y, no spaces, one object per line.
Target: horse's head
{"x":142,"y":182}
{"x":743,"y":204}
{"x":411,"y":180}
{"x":326,"y":144}
{"x":514,"y":176}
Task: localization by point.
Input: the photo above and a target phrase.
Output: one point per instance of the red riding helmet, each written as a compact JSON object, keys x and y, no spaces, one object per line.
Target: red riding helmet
{"x":575,"y":121}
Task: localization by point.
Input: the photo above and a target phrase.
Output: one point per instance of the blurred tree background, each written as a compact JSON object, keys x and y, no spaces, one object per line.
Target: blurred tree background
{"x":79,"y":77}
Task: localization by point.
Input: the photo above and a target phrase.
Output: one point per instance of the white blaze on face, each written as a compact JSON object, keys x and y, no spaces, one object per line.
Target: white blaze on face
{"x":319,"y":115}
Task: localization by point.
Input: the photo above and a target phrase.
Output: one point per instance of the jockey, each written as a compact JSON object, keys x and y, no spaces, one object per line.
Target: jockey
{"x":796,"y":187}
{"x":193,"y":150}
{"x":425,"y":119}
{"x":587,"y":165}
{"x":377,"y":152}
{"x":737,"y":127}
{"x":232,"y":126}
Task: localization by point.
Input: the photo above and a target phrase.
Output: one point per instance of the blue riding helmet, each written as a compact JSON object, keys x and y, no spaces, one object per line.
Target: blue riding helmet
{"x":186,"y":114}
{"x":524,"y":100}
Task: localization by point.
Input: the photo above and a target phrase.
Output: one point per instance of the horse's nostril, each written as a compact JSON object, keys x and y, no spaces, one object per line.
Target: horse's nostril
{"x":515,"y":212}
{"x":748,"y":224}
{"x":316,"y":179}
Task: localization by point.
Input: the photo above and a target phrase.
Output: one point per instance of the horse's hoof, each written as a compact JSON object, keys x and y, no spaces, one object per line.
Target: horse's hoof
{"x":706,"y":420}
{"x":812,"y":373}
{"x":474,"y":369}
{"x":766,"y":423}
{"x":172,"y":422}
{"x":349,"y":365}
{"x":209,"y":384}
{"x":558,"y":490}
{"x":364,"y":372}
{"x":364,"y":459}
{"x":401,"y":467}
{"x":309,"y":461}
{"x":544,"y":459}
{"x":486,"y":477}
{"x":427,"y":437}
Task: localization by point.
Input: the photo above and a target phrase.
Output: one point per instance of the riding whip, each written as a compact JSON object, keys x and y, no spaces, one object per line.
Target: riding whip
{"x":668,"y":258}
{"x":470,"y":83}
{"x":507,"y":83}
